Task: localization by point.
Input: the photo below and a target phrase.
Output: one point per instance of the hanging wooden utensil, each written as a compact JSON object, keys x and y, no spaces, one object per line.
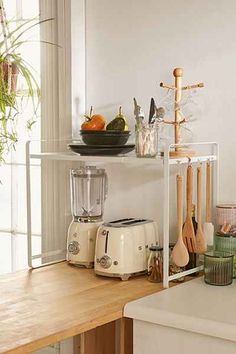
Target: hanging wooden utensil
{"x":201,"y":245}
{"x":180,"y":254}
{"x":208,"y":228}
{"x":188,"y":229}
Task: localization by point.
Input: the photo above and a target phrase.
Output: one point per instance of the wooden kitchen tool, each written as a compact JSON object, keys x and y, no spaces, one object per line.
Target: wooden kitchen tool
{"x":180,"y":254}
{"x":201,"y":245}
{"x":188,"y":229}
{"x":179,"y":118}
{"x":208,"y":228}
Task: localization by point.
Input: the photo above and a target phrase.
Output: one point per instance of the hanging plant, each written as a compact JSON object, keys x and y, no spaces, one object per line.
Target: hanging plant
{"x":13,"y":65}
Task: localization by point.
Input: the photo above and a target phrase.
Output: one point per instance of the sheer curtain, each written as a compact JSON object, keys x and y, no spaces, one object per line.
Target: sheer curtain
{"x":13,"y":245}
{"x":52,"y":66}
{"x":52,"y":69}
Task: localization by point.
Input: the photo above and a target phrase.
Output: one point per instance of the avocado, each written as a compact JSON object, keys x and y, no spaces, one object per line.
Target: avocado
{"x":118,"y":123}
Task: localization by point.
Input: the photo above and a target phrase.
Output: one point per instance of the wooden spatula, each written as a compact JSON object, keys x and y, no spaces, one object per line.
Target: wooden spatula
{"x":208,"y":228}
{"x":201,"y":245}
{"x":188,"y":229}
{"x":180,"y":254}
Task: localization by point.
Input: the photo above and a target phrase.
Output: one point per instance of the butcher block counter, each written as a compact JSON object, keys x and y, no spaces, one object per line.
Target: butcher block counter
{"x":43,"y":306}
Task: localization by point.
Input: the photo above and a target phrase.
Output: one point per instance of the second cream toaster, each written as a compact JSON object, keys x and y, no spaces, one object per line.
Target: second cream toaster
{"x":122,"y":247}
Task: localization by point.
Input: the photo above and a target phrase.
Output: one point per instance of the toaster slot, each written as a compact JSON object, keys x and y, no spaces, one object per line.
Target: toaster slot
{"x":120,"y":221}
{"x":106,"y":242}
{"x":135,"y":222}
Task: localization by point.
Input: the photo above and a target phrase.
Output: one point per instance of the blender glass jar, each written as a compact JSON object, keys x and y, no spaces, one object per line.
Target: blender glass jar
{"x":88,"y":193}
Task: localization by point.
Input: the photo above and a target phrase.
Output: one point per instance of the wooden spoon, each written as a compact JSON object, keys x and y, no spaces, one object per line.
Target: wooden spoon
{"x":188,"y":229}
{"x":180,"y":254}
{"x":201,"y":245}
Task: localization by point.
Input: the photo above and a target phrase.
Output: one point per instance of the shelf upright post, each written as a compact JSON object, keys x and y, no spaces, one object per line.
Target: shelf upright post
{"x":216,"y":175}
{"x":28,"y":200}
{"x":166,"y":217}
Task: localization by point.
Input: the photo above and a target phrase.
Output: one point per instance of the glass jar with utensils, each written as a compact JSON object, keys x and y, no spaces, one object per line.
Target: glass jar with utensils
{"x":226,"y":218}
{"x":146,"y":137}
{"x":146,"y":140}
{"x":155,"y":264}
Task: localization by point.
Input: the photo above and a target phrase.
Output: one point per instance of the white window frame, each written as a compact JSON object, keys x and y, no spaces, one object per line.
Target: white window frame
{"x":60,"y":92}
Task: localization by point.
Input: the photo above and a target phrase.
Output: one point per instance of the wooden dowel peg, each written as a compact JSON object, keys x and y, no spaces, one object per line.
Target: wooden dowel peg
{"x":189,"y":87}
{"x":167,"y":86}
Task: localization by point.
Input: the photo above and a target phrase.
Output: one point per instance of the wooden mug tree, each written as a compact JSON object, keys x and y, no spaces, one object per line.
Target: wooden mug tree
{"x":179,"y":118}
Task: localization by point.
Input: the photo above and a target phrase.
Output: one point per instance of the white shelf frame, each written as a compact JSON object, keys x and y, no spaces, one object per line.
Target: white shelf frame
{"x":165,"y":161}
{"x":166,"y":215}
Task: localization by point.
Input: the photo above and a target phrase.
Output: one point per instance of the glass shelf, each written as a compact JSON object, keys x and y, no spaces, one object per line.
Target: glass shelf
{"x":68,"y":156}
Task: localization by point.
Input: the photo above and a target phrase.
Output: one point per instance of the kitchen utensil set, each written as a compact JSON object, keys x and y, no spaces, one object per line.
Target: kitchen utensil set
{"x":187,"y":241}
{"x":180,"y":254}
{"x":188,"y":229}
{"x":208,"y":228}
{"x":152,"y":111}
{"x":138,"y":113}
{"x":201,"y":245}
{"x":156,"y":114}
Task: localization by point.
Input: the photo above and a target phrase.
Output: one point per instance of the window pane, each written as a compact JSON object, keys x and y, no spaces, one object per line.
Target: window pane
{"x":5,"y":252}
{"x":13,"y":218}
{"x":5,"y":197}
{"x":36,"y":199}
{"x":30,"y":8}
{"x":10,"y":7}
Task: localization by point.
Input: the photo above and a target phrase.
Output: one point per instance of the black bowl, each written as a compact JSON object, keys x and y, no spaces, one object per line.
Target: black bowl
{"x":104,"y":137}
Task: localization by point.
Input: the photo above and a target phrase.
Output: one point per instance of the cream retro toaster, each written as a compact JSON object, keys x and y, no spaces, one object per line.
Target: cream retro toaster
{"x":122,"y":247}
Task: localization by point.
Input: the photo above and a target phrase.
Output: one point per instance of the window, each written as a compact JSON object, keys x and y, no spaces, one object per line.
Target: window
{"x":13,"y":240}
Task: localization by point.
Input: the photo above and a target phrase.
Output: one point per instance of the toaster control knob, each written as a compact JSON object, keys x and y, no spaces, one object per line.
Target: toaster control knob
{"x":105,"y":262}
{"x":73,"y":247}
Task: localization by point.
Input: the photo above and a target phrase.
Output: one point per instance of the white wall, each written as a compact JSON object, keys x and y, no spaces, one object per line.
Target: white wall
{"x":132,"y":45}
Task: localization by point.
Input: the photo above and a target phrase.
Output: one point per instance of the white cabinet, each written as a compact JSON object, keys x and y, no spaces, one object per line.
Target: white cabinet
{"x":150,"y":338}
{"x":189,"y":318}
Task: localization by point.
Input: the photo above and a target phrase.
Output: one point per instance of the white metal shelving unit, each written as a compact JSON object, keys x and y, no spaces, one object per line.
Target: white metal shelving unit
{"x":164,"y":162}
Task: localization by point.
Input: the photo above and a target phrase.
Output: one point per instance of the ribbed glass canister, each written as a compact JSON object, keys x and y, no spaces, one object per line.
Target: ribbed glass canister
{"x":218,"y":268}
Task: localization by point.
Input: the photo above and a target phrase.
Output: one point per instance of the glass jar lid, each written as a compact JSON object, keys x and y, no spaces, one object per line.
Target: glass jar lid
{"x":218,"y":254}
{"x":87,"y":171}
{"x":226,"y":206}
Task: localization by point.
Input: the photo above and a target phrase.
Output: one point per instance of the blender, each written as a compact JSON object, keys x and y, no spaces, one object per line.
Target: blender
{"x":88,"y":194}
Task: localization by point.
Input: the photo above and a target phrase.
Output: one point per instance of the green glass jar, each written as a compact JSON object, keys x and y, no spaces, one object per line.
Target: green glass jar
{"x":226,"y":243}
{"x":218,"y":268}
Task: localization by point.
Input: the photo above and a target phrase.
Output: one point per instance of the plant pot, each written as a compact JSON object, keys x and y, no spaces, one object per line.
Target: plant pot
{"x":10,"y":73}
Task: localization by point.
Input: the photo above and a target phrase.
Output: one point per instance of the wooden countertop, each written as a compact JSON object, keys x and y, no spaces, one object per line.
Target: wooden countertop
{"x":46,"y":305}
